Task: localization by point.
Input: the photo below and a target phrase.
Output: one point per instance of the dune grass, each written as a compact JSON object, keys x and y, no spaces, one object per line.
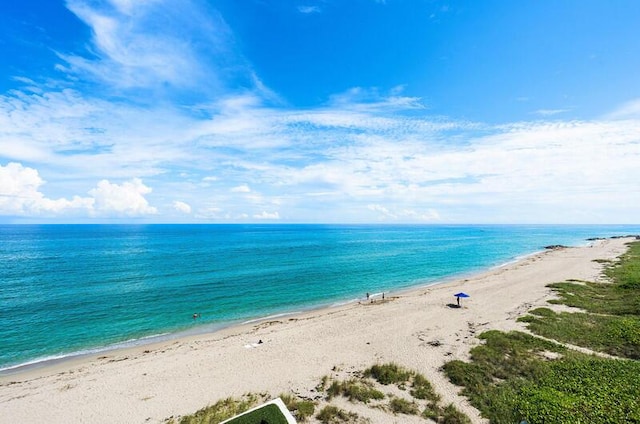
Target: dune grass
{"x":517,"y":377}
{"x":221,"y":410}
{"x":614,"y":335}
{"x":510,"y":380}
{"x":333,"y":415}
{"x":354,"y":390}
{"x":610,"y":322}
{"x":621,"y":297}
{"x":390,"y":373}
{"x":301,"y":409}
{"x":420,"y":397}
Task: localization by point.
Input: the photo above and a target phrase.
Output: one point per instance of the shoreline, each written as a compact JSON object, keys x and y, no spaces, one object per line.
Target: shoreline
{"x":212,"y":328}
{"x":181,"y":375}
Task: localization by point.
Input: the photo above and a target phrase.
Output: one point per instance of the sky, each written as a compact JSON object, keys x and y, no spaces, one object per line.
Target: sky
{"x":320,"y":111}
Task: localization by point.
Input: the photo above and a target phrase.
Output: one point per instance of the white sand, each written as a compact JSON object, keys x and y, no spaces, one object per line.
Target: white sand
{"x":154,"y":382}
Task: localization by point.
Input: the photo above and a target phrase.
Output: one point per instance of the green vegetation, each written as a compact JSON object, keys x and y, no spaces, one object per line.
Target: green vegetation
{"x":269,"y":414}
{"x":394,"y":374}
{"x":388,"y":374}
{"x":510,"y":380}
{"x":363,"y":389}
{"x":615,"y":335}
{"x":422,"y":389}
{"x":221,"y":410}
{"x":516,"y":377}
{"x":403,"y":406}
{"x":451,"y":415}
{"x":301,"y":409}
{"x":621,"y":297}
{"x":334,"y":415}
{"x":448,"y":415}
{"x":611,"y":322}
{"x":363,"y":386}
{"x":354,"y":390}
{"x":626,"y":273}
{"x":598,"y":298}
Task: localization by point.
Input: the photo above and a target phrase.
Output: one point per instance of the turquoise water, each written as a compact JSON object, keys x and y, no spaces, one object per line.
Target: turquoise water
{"x":67,"y":289}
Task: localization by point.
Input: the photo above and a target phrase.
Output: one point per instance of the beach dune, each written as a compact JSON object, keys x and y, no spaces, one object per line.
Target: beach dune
{"x":417,"y":329}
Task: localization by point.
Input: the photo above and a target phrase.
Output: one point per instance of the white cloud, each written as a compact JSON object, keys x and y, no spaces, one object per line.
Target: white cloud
{"x":382,"y":210}
{"x":308,"y":9}
{"x":241,"y":189}
{"x":267,"y":215}
{"x":431,"y":215}
{"x":372,"y":99}
{"x":550,"y":112}
{"x":20,"y":194}
{"x":429,"y":169}
{"x":629,"y":110}
{"x":126,"y":199}
{"x":182,"y":207}
{"x":210,"y":213}
{"x":157,"y":45}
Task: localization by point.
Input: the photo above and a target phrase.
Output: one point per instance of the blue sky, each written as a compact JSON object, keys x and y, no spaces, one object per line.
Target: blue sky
{"x":395,"y":111}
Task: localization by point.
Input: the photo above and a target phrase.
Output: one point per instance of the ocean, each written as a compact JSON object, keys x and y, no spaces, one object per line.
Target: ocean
{"x":68,"y":290}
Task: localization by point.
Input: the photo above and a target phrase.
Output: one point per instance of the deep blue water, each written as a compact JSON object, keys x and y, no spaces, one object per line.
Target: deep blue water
{"x":71,"y":288}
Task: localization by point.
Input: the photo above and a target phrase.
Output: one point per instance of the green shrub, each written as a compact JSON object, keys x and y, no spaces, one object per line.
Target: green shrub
{"x":335,"y":389}
{"x":584,"y":388}
{"x":388,"y":374}
{"x":421,"y":388}
{"x":301,"y":409}
{"x":358,"y":391}
{"x":432,"y":411}
{"x":222,"y":410}
{"x":403,"y":406}
{"x":451,"y":415}
{"x":333,"y":415}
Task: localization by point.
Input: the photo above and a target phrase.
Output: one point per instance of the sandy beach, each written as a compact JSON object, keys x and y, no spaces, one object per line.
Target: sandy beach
{"x":416,"y":329}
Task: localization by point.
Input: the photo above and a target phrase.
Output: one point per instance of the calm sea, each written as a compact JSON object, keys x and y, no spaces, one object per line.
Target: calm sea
{"x":72,"y":289}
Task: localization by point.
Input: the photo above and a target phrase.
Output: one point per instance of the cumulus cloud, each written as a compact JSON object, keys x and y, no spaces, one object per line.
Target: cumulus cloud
{"x":182,"y":207}
{"x":126,"y":199}
{"x":20,"y":195}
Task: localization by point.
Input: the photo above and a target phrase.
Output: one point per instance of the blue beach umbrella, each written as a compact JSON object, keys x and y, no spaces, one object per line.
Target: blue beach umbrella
{"x":459,"y":295}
